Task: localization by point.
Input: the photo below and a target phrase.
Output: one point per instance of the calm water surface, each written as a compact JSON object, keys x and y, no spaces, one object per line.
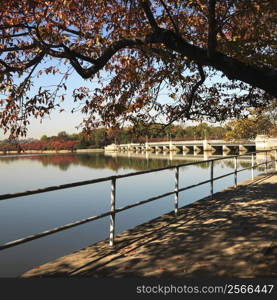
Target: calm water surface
{"x":28,"y":215}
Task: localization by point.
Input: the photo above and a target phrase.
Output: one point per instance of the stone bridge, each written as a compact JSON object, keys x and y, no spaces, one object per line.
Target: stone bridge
{"x":194,"y":146}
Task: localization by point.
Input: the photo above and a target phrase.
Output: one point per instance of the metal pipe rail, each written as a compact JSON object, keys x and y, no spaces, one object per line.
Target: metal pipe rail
{"x":113,"y":211}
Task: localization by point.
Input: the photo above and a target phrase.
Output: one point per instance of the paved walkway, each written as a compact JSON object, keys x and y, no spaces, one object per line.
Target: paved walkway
{"x":232,"y":235}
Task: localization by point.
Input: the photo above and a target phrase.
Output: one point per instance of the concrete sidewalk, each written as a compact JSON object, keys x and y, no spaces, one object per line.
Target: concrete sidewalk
{"x":232,"y":235}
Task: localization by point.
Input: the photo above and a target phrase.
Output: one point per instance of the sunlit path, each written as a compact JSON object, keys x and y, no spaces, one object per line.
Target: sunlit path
{"x":232,"y":235}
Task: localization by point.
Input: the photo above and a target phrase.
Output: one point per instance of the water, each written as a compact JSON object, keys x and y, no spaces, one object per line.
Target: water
{"x":28,"y":215}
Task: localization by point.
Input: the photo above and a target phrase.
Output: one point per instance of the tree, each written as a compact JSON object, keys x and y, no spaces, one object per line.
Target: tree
{"x":144,"y":48}
{"x":248,"y":128}
{"x":63,"y":135}
{"x":44,"y":138}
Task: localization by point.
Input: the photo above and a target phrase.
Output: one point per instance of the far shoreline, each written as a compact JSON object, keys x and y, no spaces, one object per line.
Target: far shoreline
{"x":50,"y":151}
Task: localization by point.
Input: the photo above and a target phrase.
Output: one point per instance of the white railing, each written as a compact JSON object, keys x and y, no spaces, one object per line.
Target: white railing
{"x":113,"y":210}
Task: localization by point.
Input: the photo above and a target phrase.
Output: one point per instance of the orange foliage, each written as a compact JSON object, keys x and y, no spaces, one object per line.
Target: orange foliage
{"x":144,"y":47}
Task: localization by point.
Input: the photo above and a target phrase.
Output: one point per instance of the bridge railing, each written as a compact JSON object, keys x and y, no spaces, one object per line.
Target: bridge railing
{"x":191,"y":138}
{"x":113,"y":210}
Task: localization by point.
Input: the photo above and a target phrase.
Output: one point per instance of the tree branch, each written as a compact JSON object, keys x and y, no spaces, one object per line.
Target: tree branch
{"x":190,"y":99}
{"x":171,"y":18}
{"x":212,"y":28}
{"x":263,"y":78}
{"x":146,"y":8}
{"x":195,"y":88}
{"x":17,"y":48}
{"x":24,"y":67}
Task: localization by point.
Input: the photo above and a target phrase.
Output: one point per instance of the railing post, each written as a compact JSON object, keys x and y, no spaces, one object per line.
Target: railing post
{"x":252,"y":160}
{"x":236,"y":171}
{"x":212,"y":179}
{"x":176,"y":202}
{"x":266,"y":161}
{"x":112,"y":215}
{"x":276,"y":160}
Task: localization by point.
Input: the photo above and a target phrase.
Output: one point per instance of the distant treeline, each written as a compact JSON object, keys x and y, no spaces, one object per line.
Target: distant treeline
{"x":98,"y":138}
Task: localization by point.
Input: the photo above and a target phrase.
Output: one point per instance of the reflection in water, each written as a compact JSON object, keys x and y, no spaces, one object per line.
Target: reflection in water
{"x":116,"y":161}
{"x":23,"y":216}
